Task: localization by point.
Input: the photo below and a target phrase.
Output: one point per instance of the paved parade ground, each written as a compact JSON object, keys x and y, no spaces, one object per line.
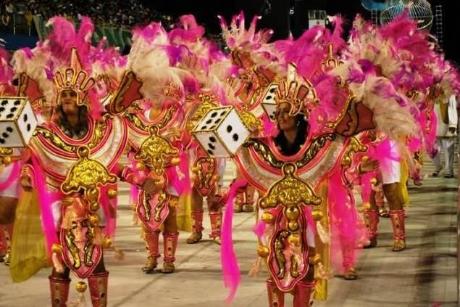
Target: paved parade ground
{"x":422,"y":275}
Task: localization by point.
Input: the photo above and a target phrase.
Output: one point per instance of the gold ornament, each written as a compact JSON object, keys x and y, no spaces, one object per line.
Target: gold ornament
{"x":87,"y":175}
{"x":74,"y":78}
{"x":206,"y":102}
{"x":56,"y":248}
{"x":263,"y":251}
{"x":289,"y":191}
{"x":112,"y":193}
{"x":268,"y":218}
{"x":81,"y":287}
{"x":156,"y":152}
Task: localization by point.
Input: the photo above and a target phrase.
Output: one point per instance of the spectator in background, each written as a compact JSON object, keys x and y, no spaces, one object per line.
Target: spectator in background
{"x":446,"y":131}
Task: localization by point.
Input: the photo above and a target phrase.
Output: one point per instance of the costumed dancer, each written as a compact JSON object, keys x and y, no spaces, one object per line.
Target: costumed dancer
{"x":202,"y":59}
{"x":70,"y":172}
{"x":9,"y":168}
{"x":306,"y":164}
{"x":160,"y":168}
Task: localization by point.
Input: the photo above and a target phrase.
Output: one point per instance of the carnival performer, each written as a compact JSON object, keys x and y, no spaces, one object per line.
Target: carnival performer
{"x":71,"y":165}
{"x":307,"y":164}
{"x":398,"y":50}
{"x":206,"y":63}
{"x":9,"y":168}
{"x":160,"y":168}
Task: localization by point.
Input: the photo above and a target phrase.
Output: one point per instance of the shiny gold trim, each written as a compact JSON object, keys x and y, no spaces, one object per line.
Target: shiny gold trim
{"x":156,"y":151}
{"x":289,"y":191}
{"x":205,"y":103}
{"x":87,"y":175}
{"x":5,"y":152}
{"x":250,"y":120}
{"x":353,"y":147}
{"x":315,"y":146}
{"x":331,"y":61}
{"x":98,"y":135}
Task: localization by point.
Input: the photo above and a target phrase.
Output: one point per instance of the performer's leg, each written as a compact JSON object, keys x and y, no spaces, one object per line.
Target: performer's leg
{"x":371,"y":218}
{"x":349,"y":257}
{"x":380,"y":202}
{"x":302,"y":293}
{"x":437,"y":158}
{"x":170,"y":238}
{"x":59,"y":287}
{"x":151,"y":240}
{"x":304,"y":289}
{"x":239,"y":202}
{"x":7,"y":216}
{"x":249,"y":203}
{"x":215,"y":215}
{"x":197,"y":217}
{"x":449,"y":157}
{"x":394,"y":197}
{"x":275,"y":296}
{"x":97,"y":283}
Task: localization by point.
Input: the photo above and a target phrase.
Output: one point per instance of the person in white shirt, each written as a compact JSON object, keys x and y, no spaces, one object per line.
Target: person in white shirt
{"x":446,"y":131}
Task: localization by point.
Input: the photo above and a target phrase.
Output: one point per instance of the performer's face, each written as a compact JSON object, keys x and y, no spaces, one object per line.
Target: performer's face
{"x":68,"y":101}
{"x":285,"y":121}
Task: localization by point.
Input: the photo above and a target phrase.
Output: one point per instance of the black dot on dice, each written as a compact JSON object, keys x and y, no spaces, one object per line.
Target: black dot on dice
{"x":217,"y":121}
{"x":211,"y":146}
{"x":4,"y":102}
{"x":17,"y":102}
{"x":208,"y":121}
{"x":28,"y":127}
{"x":235,"y":137}
{"x":212,"y":127}
{"x":214,"y":114}
{"x":229,"y":128}
{"x":212,"y":139}
{"x":2,"y":141}
{"x":5,"y":135}
{"x":13,"y":109}
{"x":223,"y":113}
{"x":204,"y":127}
{"x":272,"y":90}
{"x":11,"y":115}
{"x":269,"y":97}
{"x":210,"y":152}
{"x":2,"y":109}
{"x":25,"y":117}
{"x":9,"y":129}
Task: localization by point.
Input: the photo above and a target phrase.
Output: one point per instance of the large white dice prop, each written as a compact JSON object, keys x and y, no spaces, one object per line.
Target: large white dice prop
{"x":17,"y":121}
{"x":268,"y":101}
{"x":221,"y":132}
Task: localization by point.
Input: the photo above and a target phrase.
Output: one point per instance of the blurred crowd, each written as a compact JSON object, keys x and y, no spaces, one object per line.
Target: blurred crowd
{"x":116,"y":12}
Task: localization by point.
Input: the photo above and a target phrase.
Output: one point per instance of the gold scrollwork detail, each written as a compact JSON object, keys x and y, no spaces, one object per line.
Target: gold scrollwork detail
{"x":289,"y":191}
{"x":205,"y":103}
{"x":250,"y":120}
{"x":315,"y":146}
{"x":87,"y":175}
{"x":156,"y":151}
{"x":98,"y":134}
{"x":54,"y":139}
{"x":354,"y":147}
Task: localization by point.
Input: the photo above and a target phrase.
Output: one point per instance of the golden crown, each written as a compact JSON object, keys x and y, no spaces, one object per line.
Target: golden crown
{"x":300,"y":94}
{"x":73,"y":78}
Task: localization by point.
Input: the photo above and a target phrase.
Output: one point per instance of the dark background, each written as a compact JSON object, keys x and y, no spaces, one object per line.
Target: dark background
{"x":278,"y":17}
